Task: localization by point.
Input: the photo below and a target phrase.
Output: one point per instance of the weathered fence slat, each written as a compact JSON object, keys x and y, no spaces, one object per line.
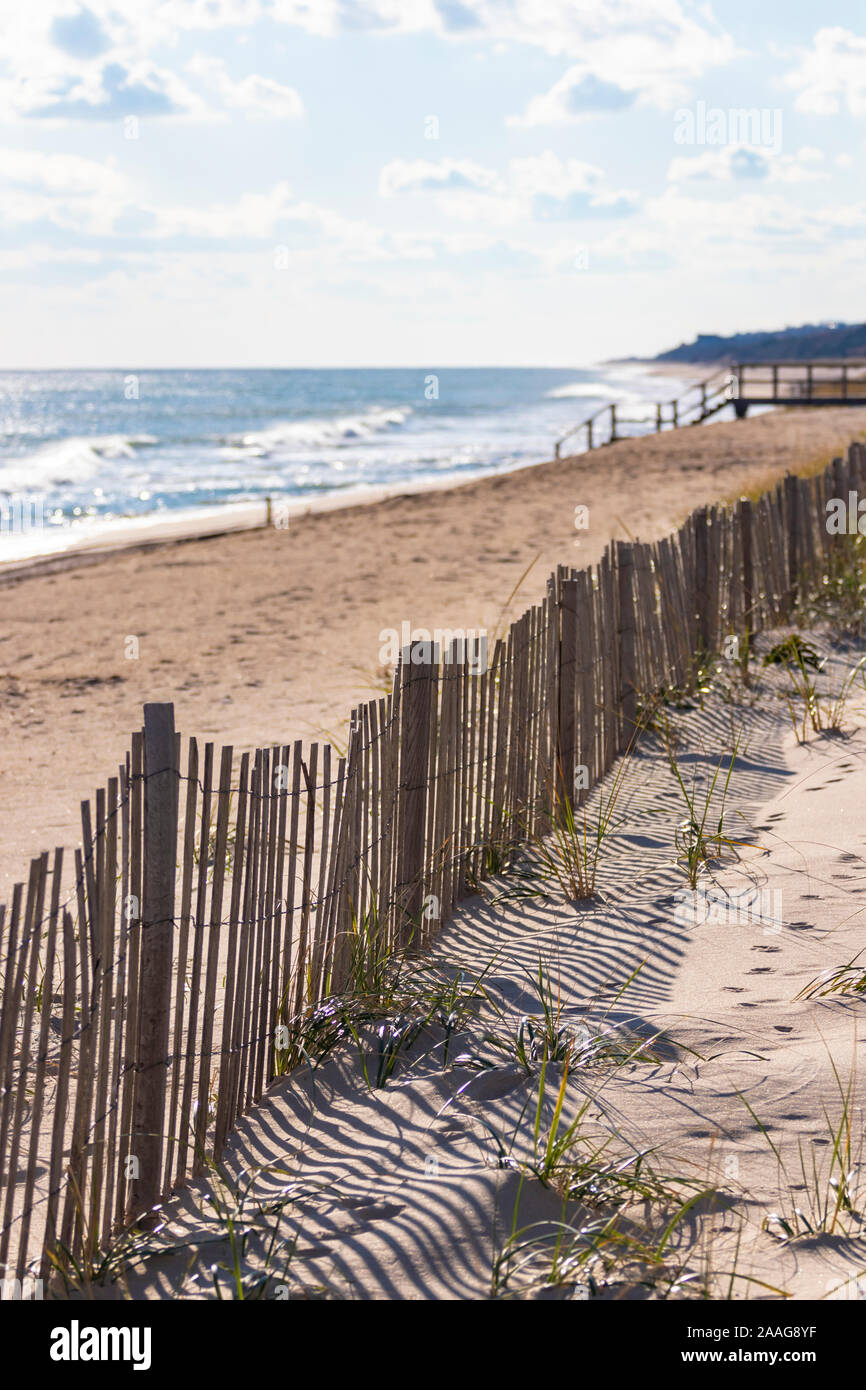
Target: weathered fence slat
{"x":29,"y":960}
{"x":157,"y":919}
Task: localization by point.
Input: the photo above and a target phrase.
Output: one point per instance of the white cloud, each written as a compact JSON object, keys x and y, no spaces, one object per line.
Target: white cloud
{"x":482,"y":209}
{"x":647,"y":33}
{"x":62,"y":191}
{"x":561,"y":27}
{"x":765,"y":220}
{"x":426,"y":176}
{"x":578,"y":93}
{"x":252,"y":215}
{"x":647,"y":50}
{"x":105,"y":91}
{"x":68,"y":174}
{"x":547,"y":173}
{"x":744,"y":234}
{"x":747,"y":164}
{"x":464,"y":190}
{"x":256,"y":96}
{"x":88,"y":201}
{"x":650,"y":58}
{"x":555,"y":189}
{"x":540,"y":188}
{"x":92,"y":62}
{"x":831,"y":75}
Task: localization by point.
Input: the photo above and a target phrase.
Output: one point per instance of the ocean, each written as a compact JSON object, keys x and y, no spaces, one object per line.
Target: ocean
{"x":85,"y":455}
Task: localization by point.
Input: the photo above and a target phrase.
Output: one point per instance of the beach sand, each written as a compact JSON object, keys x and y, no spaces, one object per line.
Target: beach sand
{"x":396,"y":1192}
{"x":410,"y":1190}
{"x":270,"y":635}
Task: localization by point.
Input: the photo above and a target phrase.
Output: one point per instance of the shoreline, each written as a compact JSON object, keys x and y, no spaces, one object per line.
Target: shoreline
{"x":266,"y":635}
{"x":211,"y":523}
{"x":697,"y":371}
{"x":79,"y":544}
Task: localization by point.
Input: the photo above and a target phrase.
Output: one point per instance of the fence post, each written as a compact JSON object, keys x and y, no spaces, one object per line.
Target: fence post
{"x":157,"y":932}
{"x":744,"y":509}
{"x":626,"y":643}
{"x":565,"y":751}
{"x":744,"y":517}
{"x":840,"y":479}
{"x":415,"y":703}
{"x":702,"y":575}
{"x":792,"y":508}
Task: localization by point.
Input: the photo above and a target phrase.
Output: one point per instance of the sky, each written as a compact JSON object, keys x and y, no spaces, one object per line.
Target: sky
{"x":290,"y":183}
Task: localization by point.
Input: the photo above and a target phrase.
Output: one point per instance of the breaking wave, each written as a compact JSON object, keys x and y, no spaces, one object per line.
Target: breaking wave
{"x":319,"y":433}
{"x":72,"y":460}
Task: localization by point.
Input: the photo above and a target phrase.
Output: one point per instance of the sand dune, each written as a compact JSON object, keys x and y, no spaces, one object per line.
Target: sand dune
{"x":411,"y":1190}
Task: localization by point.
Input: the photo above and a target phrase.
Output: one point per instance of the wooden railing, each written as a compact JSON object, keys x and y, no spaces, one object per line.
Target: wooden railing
{"x":697,"y":403}
{"x":825,"y":382}
{"x":743,"y":384}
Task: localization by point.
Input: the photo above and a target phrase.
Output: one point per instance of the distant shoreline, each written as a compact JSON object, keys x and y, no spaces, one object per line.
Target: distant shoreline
{"x":657,"y":368}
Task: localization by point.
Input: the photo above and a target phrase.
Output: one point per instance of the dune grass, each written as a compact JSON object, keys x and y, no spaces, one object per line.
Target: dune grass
{"x":828,"y":1171}
{"x":704,"y":836}
{"x":844,"y":979}
{"x":563,"y":858}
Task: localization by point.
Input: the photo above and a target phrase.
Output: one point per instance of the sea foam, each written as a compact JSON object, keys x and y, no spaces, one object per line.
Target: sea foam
{"x":318,"y":433}
{"x":72,"y":460}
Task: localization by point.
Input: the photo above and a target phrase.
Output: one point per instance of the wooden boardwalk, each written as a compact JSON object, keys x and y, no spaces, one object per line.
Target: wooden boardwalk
{"x":740,"y":385}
